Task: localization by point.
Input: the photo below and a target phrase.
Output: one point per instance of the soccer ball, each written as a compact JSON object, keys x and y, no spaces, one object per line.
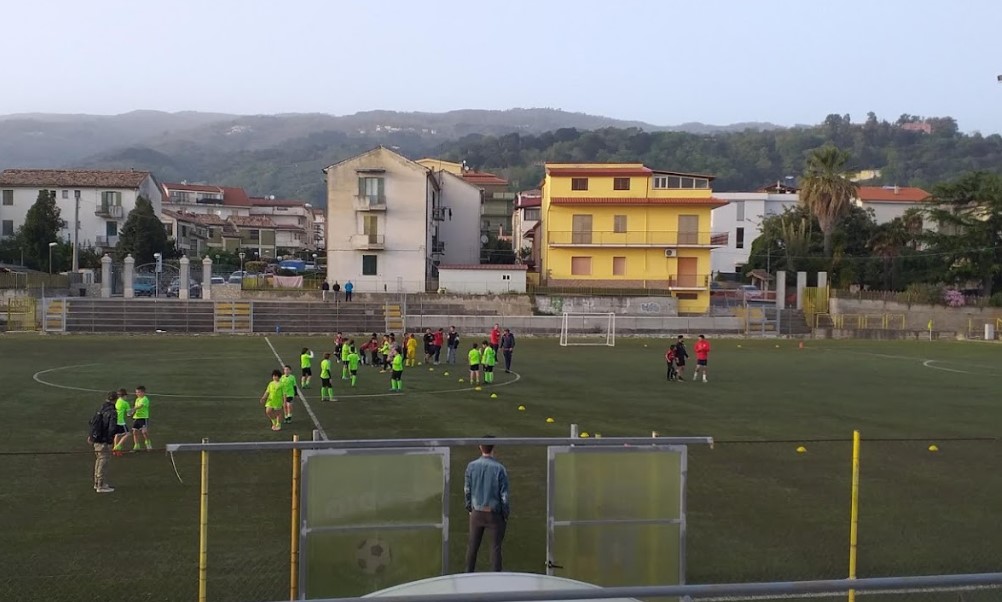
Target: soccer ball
{"x":373,"y":556}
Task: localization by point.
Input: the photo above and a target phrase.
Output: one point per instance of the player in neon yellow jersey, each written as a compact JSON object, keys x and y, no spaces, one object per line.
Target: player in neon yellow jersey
{"x":345,"y":350}
{"x":352,"y":361}
{"x":122,"y":411}
{"x":288,"y":391}
{"x":490,"y":359}
{"x":396,"y":379}
{"x":326,"y":388}
{"x":141,"y":420}
{"x":273,"y":399}
{"x":306,"y":364}
{"x":474,"y":356}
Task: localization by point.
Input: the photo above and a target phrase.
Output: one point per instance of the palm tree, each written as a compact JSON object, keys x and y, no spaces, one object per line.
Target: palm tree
{"x":827,"y":190}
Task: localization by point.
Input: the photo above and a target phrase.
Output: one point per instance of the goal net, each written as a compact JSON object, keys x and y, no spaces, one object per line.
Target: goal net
{"x":588,"y":329}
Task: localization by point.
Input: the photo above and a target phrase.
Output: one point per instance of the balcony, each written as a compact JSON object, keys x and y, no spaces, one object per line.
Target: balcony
{"x":370,"y":202}
{"x":438,"y":214}
{"x":689,"y":282}
{"x":110,"y":211}
{"x":368,"y":242}
{"x":106,"y":241}
{"x":438,"y":247}
{"x":652,"y":238}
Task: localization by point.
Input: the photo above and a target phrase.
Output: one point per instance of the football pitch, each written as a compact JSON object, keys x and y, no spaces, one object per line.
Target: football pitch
{"x":757,"y":509}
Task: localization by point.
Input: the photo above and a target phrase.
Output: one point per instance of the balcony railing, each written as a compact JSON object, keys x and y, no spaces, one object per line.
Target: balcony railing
{"x":438,"y":213}
{"x":689,"y":281}
{"x":438,"y":247}
{"x":109,"y":210}
{"x":639,"y":238}
{"x":106,"y":241}
{"x":370,"y":202}
{"x":368,"y":242}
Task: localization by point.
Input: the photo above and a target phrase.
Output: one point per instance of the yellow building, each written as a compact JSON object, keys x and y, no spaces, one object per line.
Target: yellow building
{"x":624,"y":225}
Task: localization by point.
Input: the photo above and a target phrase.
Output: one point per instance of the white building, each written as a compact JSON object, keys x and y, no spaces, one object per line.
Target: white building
{"x":105,"y":200}
{"x":889,"y":202}
{"x":319,"y":228}
{"x":293,"y":220}
{"x":459,"y":216}
{"x":482,"y":279}
{"x":741,"y":218}
{"x":385,"y":216}
{"x":524,"y":218}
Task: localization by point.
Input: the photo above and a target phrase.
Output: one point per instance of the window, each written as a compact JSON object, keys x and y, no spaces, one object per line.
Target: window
{"x":111,"y":228}
{"x":373,"y":189}
{"x":66,"y":194}
{"x":111,"y":198}
{"x":532,"y":214}
{"x":8,"y":228}
{"x":581,"y":266}
{"x":8,"y":197}
{"x":579,"y":183}
{"x":619,"y":266}
{"x":369,"y":265}
{"x":619,"y":224}
{"x":370,"y":227}
{"x":254,"y":235}
{"x":702,"y":183}
{"x":739,"y":238}
{"x":664,"y":182}
{"x":621,"y":183}
{"x":581,"y":226}
{"x":739,"y":210}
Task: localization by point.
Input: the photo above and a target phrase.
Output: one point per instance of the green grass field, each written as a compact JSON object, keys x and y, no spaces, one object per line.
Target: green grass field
{"x":757,"y":510}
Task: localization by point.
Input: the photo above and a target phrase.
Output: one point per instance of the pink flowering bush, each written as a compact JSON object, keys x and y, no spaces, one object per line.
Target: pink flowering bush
{"x":953,"y":298}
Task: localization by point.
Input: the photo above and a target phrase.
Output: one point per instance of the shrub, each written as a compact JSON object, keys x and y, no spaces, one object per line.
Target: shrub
{"x":925,"y":294}
{"x":996,"y":300}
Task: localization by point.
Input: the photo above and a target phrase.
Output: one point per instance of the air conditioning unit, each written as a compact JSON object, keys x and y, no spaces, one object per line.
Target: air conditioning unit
{"x":669,"y":252}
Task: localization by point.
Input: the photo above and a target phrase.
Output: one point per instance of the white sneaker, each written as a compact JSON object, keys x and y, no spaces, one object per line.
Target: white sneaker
{"x":704,"y":379}
{"x":104,"y":489}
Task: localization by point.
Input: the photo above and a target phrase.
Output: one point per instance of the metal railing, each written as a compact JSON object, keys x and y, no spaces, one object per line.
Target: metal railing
{"x":636,"y":238}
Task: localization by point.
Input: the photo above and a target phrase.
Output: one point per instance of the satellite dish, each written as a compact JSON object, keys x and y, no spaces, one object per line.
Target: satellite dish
{"x":484,"y":239}
{"x":476,"y":583}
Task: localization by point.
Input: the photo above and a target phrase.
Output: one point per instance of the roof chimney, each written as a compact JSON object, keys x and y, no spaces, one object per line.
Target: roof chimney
{"x":897,"y":189}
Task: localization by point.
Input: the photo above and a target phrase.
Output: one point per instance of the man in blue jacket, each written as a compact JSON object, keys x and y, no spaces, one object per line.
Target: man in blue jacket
{"x":486,"y":489}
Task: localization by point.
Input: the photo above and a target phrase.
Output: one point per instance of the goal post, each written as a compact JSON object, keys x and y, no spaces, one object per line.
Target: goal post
{"x":588,"y":329}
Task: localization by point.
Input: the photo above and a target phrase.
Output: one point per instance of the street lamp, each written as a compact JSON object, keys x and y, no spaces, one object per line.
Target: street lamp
{"x":52,"y":245}
{"x":157,"y":271}
{"x":242,"y":255}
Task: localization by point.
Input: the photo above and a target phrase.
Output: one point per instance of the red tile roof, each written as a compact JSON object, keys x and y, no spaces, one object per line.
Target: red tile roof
{"x":485,"y":266}
{"x":263,"y":202}
{"x":903,"y":194}
{"x":235,"y":196}
{"x":484,"y":178}
{"x":533,"y":201}
{"x":72,"y":178}
{"x":702,"y":201}
{"x":251,"y":221}
{"x":194,"y":188}
{"x":604,"y":170}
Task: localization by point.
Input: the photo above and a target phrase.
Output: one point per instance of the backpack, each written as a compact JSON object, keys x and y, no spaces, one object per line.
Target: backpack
{"x":102,"y":424}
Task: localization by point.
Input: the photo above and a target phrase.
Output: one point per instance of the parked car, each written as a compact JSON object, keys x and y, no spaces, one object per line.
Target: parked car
{"x":144,"y":286}
{"x":194,"y":289}
{"x":217,"y":280}
{"x":750,"y":292}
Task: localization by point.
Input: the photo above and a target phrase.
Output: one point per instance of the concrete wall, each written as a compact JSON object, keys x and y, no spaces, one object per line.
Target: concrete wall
{"x":550,"y":325}
{"x":917,"y":317}
{"x":627,"y":306}
{"x":482,"y":282}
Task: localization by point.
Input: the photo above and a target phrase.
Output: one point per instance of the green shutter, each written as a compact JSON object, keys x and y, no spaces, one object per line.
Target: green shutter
{"x":361,"y":187}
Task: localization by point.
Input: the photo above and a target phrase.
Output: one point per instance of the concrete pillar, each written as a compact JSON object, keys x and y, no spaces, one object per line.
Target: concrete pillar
{"x":801,"y":285}
{"x":781,"y":290}
{"x":822,"y":279}
{"x":128,"y":276}
{"x":105,"y":276}
{"x":184,"y":277}
{"x":206,"y":278}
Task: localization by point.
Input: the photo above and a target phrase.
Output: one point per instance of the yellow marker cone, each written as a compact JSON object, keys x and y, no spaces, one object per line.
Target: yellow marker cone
{"x":777,"y":346}
{"x":521,"y":408}
{"x":431,"y":369}
{"x":445,"y":374}
{"x":739,"y":346}
{"x":801,"y":449}
{"x":477,"y":389}
{"x":494,"y":395}
{"x":460,"y":380}
{"x":420,"y":363}
{"x":934,"y":448}
{"x":584,"y":435}
{"x":598,"y":435}
{"x":549,"y":421}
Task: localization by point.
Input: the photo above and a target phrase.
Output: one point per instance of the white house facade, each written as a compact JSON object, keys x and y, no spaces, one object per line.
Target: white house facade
{"x":525,"y":217}
{"x":380,"y":229}
{"x":482,"y":279}
{"x":741,"y":218}
{"x":890,"y":202}
{"x":105,"y":200}
{"x":458,"y":219}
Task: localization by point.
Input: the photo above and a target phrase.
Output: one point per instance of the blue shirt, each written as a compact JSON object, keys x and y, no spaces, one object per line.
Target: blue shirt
{"x":486,"y":486}
{"x":348,"y":286}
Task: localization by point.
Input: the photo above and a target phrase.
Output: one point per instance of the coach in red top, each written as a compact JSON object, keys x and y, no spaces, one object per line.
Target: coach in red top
{"x":496,"y":337}
{"x":702,"y":349}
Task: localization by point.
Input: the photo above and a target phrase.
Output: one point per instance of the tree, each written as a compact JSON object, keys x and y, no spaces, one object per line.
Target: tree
{"x":143,"y":234}
{"x":41,"y":226}
{"x":827,"y":190}
{"x":968,"y":239}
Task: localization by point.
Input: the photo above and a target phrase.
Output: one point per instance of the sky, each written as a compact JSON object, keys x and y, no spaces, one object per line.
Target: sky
{"x":661,"y":61}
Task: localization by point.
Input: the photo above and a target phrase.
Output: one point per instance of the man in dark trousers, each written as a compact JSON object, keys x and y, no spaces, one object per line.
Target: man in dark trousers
{"x":486,"y":489}
{"x":102,"y":435}
{"x":336,"y":288}
{"x":507,"y":347}
{"x":681,"y":354}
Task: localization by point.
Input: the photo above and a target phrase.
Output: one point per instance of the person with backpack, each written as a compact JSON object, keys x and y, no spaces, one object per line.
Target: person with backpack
{"x":103,"y":425}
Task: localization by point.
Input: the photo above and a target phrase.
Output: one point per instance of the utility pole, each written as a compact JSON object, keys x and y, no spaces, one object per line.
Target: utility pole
{"x":76,"y":231}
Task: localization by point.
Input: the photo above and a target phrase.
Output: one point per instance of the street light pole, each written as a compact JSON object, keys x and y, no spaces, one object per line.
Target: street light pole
{"x":76,"y":230}
{"x":52,"y":245}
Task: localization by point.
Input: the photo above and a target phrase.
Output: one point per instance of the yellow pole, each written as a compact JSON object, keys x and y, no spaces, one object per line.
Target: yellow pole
{"x":294,"y":540}
{"x":854,"y":514}
{"x":203,"y":526}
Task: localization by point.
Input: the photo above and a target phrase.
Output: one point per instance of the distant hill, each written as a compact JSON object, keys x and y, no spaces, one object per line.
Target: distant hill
{"x":54,"y":140}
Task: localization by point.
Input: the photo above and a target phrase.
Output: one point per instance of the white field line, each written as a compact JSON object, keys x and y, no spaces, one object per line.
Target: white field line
{"x":299,"y":390}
